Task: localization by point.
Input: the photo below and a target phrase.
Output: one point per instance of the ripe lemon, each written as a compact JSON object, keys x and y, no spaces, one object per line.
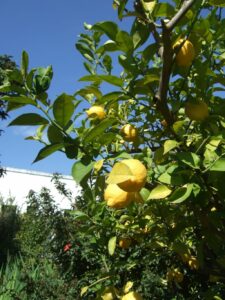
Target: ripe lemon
{"x":193,"y":263}
{"x":174,"y":275}
{"x":96,"y":111}
{"x":109,"y":293}
{"x":132,"y":296}
{"x":196,"y":111}
{"x":186,"y":53}
{"x":115,"y":197}
{"x":124,"y":243}
{"x":138,"y":178}
{"x":129,"y":132}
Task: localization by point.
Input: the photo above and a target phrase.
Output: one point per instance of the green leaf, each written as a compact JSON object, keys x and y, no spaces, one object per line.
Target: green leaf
{"x":24,"y":63}
{"x":169,"y":145}
{"x":148,"y":5}
{"x":121,"y":8}
{"x":107,"y":27}
{"x":54,"y":134}
{"x":140,"y":33}
{"x":81,"y":170}
{"x":160,"y":192}
{"x":144,"y":194}
{"x":89,"y":90}
{"x":108,"y":78}
{"x":181,"y":194}
{"x":71,"y":147}
{"x":98,"y":130}
{"x":19,"y":99}
{"x":189,"y":158}
{"x":85,"y":51}
{"x":219,"y":3}
{"x":124,"y":41}
{"x":29,"y":119}
{"x":146,"y":80}
{"x":112,"y":245}
{"x":111,"y":97}
{"x":63,"y":109}
{"x":164,"y":10}
{"x":79,"y":215}
{"x":219,"y":165}
{"x":48,"y":150}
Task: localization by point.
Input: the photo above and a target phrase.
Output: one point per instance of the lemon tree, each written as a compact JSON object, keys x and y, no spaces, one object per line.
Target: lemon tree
{"x":163,"y":191}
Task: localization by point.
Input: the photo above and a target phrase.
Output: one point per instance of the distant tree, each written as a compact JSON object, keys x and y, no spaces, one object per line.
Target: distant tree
{"x":6,"y":63}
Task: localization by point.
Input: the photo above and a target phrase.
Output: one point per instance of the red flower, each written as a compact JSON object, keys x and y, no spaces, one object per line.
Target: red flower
{"x":67,"y":247}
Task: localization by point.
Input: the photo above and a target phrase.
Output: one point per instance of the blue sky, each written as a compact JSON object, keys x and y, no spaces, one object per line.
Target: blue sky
{"x":47,"y":30}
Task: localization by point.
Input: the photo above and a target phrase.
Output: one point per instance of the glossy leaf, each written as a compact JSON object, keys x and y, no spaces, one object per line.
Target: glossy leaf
{"x":107,"y":27}
{"x":159,"y":192}
{"x":107,"y":78}
{"x":189,"y":158}
{"x":30,"y":119}
{"x":98,"y":130}
{"x":48,"y":150}
{"x":19,"y":99}
{"x":63,"y":109}
{"x":219,"y":165}
{"x":54,"y":135}
{"x":181,"y":194}
{"x":169,"y":145}
{"x":112,"y":245}
{"x":81,"y":170}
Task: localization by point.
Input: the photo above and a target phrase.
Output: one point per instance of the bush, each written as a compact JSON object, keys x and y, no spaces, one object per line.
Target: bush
{"x":9,"y":226}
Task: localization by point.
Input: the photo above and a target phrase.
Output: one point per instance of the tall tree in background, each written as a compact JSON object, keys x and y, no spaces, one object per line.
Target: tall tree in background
{"x":6,"y":63}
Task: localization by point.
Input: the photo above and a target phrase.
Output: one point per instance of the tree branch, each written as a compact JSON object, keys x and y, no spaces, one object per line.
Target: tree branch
{"x":167,"y":57}
{"x":182,"y":11}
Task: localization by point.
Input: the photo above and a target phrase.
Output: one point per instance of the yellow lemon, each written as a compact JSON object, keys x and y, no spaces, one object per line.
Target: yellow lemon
{"x":196,"y":111}
{"x":193,"y":263}
{"x":129,"y":132}
{"x":115,"y":197}
{"x":185,"y":257}
{"x":132,"y":296}
{"x":174,"y":275}
{"x":124,"y":243}
{"x":186,"y":53}
{"x":109,"y":293}
{"x":96,"y":111}
{"x":137,"y":179}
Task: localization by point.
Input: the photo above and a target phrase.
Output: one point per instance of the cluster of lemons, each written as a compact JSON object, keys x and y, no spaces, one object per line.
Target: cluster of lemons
{"x":195,"y":110}
{"x":176,"y":275}
{"x":120,"y":195}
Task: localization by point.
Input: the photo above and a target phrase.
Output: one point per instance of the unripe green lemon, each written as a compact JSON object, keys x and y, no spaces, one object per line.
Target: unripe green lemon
{"x":196,"y":111}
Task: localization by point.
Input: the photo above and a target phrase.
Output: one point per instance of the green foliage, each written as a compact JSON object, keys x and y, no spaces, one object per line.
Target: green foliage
{"x":180,"y":224}
{"x":20,"y":280}
{"x":9,"y":226}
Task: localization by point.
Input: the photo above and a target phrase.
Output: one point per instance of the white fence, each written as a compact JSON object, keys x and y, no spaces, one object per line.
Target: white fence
{"x":17,"y":183}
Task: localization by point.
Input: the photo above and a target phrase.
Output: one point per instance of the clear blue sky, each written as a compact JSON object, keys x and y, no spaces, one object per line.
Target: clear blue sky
{"x":47,"y":30}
